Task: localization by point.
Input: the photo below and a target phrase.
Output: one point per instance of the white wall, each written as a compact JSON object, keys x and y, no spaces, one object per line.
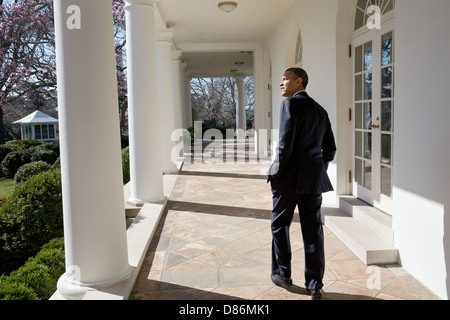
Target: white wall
{"x":422,"y":135}
{"x":317,"y":21}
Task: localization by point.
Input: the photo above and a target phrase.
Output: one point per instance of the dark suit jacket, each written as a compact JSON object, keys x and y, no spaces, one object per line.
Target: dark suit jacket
{"x":306,"y":145}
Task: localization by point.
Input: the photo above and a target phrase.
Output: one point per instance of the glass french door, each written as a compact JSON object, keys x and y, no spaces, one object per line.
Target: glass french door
{"x":373,"y":121}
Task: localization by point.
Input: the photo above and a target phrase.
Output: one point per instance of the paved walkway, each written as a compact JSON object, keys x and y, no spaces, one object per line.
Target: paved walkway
{"x":214,"y":242}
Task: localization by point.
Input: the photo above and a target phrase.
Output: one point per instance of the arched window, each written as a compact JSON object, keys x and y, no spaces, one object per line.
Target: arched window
{"x":299,"y":50}
{"x":361,"y":14}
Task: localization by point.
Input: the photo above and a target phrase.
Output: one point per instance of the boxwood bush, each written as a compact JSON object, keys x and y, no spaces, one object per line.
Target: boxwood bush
{"x":126,"y":165}
{"x":41,"y":154}
{"x":30,"y":169}
{"x":13,"y":161}
{"x":31,"y":217}
{"x":38,"y":277}
{"x":17,"y":153}
{"x":23,"y":144}
{"x":5,"y":149}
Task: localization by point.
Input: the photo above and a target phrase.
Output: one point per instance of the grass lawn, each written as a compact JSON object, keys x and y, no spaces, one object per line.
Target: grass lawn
{"x":6,"y":186}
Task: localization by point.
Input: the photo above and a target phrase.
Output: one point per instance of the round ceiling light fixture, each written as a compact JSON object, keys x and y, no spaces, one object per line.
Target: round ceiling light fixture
{"x":227,"y":6}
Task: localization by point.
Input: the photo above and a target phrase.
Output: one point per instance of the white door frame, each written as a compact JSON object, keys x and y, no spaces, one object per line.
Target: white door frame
{"x":372,"y":128}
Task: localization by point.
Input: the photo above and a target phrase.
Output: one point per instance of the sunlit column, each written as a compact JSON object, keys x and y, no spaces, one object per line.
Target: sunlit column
{"x":94,"y":215}
{"x":166,"y":97}
{"x":176,"y":70}
{"x":187,"y":102}
{"x":146,"y":180}
{"x":241,"y":125}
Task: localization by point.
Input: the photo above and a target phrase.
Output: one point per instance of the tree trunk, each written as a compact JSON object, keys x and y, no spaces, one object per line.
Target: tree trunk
{"x":2,"y":128}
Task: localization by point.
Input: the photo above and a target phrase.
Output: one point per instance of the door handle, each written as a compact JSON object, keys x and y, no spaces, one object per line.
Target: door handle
{"x":373,"y":126}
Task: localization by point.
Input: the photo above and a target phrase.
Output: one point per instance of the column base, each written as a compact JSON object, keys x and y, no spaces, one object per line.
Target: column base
{"x":70,"y":289}
{"x":142,"y":202}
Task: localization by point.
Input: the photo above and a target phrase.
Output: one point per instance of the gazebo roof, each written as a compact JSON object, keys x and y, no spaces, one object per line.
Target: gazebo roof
{"x":37,"y":117}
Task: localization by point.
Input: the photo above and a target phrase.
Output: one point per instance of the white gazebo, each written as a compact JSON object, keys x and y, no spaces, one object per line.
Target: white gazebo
{"x":38,"y":126}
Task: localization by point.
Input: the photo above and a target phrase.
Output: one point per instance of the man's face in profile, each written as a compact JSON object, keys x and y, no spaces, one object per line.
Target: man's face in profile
{"x":289,"y":85}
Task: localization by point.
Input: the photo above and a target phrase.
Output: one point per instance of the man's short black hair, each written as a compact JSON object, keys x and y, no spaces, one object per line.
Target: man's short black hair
{"x":299,"y":73}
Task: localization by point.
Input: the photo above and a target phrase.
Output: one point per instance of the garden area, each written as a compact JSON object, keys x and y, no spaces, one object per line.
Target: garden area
{"x":31,"y":227}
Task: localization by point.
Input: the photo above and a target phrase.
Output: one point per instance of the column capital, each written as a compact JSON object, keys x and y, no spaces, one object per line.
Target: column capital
{"x":164,"y":35}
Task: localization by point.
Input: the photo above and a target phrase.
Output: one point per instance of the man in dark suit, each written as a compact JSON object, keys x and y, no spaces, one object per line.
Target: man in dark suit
{"x":298,"y":178}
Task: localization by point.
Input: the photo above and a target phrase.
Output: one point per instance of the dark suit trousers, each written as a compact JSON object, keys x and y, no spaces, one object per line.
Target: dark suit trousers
{"x":285,"y":199}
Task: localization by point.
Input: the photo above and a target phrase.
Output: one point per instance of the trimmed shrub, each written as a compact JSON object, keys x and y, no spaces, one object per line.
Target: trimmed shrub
{"x":3,"y":200}
{"x":40,"y":154}
{"x":31,"y":217}
{"x":5,"y":149}
{"x":26,"y":151}
{"x":57,"y":164}
{"x":126,"y":165}
{"x":16,"y":291}
{"x":24,"y":144}
{"x":13,"y":161}
{"x":38,"y":277}
{"x":52,"y":255}
{"x":30,"y":169}
{"x":52,"y":146}
{"x":35,"y":276}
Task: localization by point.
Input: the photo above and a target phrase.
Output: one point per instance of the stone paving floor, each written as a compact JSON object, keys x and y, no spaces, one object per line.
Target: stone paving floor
{"x":214,"y":243}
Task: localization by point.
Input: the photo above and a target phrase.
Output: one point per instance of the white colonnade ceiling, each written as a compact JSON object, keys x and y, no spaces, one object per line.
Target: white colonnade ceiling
{"x":213,"y":41}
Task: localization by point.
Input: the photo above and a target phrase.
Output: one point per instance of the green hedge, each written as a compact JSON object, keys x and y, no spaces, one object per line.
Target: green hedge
{"x":31,"y":216}
{"x":13,"y":161}
{"x":17,"y":153}
{"x":37,"y":278}
{"x":30,"y":169}
{"x":126,"y":165}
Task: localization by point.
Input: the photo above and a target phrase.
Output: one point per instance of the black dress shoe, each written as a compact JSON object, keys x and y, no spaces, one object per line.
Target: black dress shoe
{"x":316,"y":294}
{"x":281,"y":281}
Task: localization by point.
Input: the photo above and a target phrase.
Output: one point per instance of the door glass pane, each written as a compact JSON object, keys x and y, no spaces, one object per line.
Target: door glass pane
{"x":359,"y":19}
{"x":358,"y":171}
{"x":368,"y":86}
{"x":51,"y":133}
{"x":389,"y":6}
{"x":358,"y":87}
{"x":362,"y":4}
{"x":386,"y":116}
{"x":358,"y":59}
{"x":368,"y":174}
{"x":37,"y":131}
{"x":386,"y":144}
{"x":386,"y":49}
{"x":358,"y":116}
{"x":368,"y":56}
{"x":367,"y":115}
{"x":44,"y":132}
{"x":368,"y":145}
{"x":386,"y":181}
{"x":386,"y":82}
{"x":358,"y":144}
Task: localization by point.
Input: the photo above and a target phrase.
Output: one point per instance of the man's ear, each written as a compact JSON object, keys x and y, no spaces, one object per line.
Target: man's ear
{"x":300,"y":82}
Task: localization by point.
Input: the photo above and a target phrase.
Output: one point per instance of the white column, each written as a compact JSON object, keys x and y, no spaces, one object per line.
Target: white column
{"x":176,"y":70}
{"x":146,"y":180}
{"x":94,"y":214}
{"x":188,"y":102}
{"x":261,"y":120}
{"x":166,"y":97}
{"x":182,"y":79}
{"x":240,"y":108}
